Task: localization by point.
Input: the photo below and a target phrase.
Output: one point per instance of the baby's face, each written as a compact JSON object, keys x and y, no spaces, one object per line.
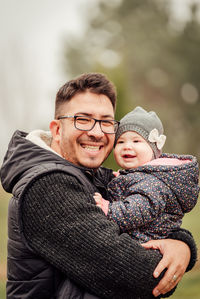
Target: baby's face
{"x":132,"y":150}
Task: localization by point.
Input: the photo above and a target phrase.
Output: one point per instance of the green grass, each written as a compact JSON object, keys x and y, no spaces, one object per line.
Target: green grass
{"x":2,"y":289}
{"x":188,"y":288}
{"x":4,"y":198}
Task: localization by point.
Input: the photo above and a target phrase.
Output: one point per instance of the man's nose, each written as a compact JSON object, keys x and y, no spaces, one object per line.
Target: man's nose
{"x":96,"y":131}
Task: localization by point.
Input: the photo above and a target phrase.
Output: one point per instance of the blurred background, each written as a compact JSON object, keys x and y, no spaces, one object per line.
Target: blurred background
{"x":150,"y":49}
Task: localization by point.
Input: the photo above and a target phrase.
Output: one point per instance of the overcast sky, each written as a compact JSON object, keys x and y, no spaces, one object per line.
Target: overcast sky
{"x":31,"y":44}
{"x":30,"y":58}
{"x":31,"y":55}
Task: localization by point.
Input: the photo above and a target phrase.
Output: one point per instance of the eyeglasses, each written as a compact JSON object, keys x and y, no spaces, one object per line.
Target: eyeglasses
{"x":85,"y":123}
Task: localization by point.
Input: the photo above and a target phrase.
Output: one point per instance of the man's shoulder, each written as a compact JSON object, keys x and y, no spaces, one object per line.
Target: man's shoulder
{"x":65,"y":169}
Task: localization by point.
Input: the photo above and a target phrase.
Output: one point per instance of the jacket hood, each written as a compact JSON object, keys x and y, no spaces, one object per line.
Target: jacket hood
{"x":22,"y":154}
{"x":181,"y":174}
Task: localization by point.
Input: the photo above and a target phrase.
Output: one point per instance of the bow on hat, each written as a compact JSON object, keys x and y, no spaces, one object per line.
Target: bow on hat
{"x":159,"y":140}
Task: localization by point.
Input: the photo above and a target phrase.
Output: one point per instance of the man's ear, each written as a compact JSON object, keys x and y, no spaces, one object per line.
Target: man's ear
{"x":55,"y":129}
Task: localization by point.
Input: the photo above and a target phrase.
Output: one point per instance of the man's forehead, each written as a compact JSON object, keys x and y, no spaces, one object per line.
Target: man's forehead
{"x":89,"y":104}
{"x":110,"y":115}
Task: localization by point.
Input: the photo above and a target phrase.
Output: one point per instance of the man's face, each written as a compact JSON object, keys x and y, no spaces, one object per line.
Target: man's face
{"x":85,"y":148}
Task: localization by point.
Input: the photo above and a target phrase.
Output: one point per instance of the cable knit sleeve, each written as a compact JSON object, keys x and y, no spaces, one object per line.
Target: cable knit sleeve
{"x":63,"y":225}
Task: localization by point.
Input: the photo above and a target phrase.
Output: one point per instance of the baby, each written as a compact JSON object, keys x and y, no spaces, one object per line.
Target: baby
{"x":149,"y":197}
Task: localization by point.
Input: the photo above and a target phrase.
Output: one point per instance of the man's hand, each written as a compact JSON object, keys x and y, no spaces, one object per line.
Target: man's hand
{"x":176,"y":257}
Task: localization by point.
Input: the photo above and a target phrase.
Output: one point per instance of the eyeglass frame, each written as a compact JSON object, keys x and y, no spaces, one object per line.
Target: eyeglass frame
{"x":116,"y":122}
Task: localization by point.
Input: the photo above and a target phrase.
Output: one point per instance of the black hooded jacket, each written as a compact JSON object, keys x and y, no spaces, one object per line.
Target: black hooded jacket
{"x":29,"y":275}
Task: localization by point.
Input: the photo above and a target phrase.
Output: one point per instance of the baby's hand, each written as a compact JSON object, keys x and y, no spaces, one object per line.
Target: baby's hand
{"x":97,"y":196}
{"x":101,"y":202}
{"x":116,"y":173}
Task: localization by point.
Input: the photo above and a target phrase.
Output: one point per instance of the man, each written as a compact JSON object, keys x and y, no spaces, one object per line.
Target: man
{"x":55,"y":229}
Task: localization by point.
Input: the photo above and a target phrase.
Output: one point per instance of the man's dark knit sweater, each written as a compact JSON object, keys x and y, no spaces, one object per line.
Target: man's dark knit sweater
{"x":62,"y":224}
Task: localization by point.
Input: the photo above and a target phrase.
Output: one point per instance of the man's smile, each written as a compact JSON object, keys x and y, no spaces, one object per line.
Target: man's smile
{"x":92,"y":147}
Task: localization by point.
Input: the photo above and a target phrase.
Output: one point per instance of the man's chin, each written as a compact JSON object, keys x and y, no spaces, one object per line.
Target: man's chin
{"x":92,"y":163}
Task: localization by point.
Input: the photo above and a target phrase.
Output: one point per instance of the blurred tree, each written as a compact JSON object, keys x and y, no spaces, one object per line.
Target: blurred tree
{"x":153,"y":63}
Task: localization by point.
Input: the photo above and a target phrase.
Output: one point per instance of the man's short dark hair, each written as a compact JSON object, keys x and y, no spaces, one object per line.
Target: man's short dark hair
{"x":94,"y":82}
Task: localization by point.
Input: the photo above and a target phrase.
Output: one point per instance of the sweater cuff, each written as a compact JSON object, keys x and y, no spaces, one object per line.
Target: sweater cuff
{"x":185,"y":236}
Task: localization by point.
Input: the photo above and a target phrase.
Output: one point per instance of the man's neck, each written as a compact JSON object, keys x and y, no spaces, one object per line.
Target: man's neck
{"x":55,"y":147}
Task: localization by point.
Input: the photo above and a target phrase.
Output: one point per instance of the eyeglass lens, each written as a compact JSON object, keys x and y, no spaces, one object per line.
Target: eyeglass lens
{"x":87,"y":124}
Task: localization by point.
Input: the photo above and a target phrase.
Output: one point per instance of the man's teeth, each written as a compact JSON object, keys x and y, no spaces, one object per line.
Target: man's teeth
{"x":92,"y":147}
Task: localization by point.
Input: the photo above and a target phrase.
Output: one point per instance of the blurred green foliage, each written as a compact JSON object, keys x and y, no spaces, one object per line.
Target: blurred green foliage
{"x":152,"y":59}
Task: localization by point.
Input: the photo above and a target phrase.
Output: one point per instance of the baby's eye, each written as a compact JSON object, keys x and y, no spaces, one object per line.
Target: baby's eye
{"x":120,"y":141}
{"x":136,"y":140}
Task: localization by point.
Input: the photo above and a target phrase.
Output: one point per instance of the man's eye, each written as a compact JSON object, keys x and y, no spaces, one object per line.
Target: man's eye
{"x":83,"y":120}
{"x":107,"y":123}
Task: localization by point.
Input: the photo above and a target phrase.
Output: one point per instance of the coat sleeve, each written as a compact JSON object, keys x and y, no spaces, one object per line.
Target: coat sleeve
{"x":143,"y":199}
{"x":62,"y":224}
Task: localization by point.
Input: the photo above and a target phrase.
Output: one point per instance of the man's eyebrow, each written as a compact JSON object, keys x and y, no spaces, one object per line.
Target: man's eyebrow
{"x":91,"y":115}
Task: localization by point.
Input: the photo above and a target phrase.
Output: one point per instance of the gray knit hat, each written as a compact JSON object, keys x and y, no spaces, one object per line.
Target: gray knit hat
{"x":146,"y":124}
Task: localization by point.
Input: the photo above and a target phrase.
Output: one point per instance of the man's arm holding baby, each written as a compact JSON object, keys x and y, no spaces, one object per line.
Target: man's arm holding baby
{"x":179,"y":254}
